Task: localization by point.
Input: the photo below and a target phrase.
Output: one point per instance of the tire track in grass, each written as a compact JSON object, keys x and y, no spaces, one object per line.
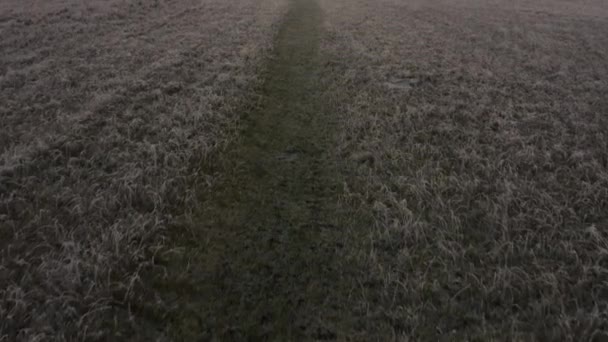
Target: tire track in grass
{"x":267,"y":256}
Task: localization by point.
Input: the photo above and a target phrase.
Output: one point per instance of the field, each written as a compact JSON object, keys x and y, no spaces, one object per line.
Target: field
{"x":108,"y":109}
{"x":484,"y":124}
{"x":304,"y":170}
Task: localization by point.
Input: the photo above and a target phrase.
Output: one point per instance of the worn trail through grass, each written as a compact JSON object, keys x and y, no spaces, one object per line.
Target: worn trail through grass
{"x":267,"y":257}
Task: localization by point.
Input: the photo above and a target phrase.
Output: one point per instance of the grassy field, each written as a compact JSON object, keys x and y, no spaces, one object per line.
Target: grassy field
{"x":349,"y":170}
{"x":108,"y":109}
{"x":481,"y":130}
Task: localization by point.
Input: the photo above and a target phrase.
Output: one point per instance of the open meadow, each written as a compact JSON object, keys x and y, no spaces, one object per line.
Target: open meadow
{"x":107,"y":109}
{"x":304,"y":170}
{"x":481,"y":128}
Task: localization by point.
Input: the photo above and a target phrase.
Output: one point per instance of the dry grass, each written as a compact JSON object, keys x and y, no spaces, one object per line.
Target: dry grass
{"x":481,"y":132}
{"x":479,"y":129}
{"x":108,"y":109}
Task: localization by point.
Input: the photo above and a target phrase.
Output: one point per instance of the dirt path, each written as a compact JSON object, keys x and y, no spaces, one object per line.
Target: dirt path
{"x":267,"y":259}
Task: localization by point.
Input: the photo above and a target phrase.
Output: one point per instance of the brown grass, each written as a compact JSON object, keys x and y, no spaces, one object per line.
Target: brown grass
{"x":481,"y":132}
{"x":108,"y":109}
{"x":479,"y":128}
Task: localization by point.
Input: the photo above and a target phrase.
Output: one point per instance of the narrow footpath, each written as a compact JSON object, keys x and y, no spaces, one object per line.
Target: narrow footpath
{"x":268,"y":258}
